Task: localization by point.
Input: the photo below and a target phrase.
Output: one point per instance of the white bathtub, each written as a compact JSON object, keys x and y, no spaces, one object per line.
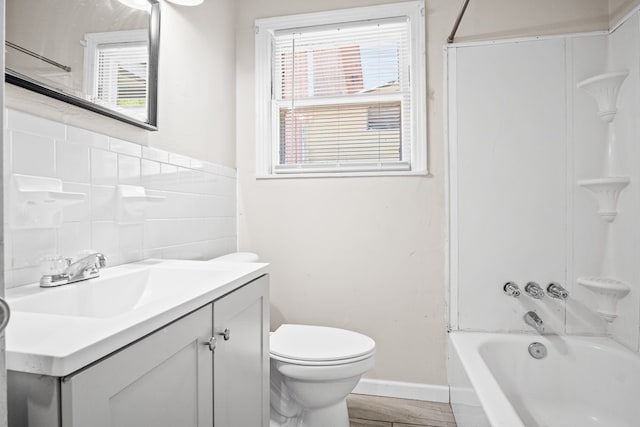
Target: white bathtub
{"x":583,"y":381}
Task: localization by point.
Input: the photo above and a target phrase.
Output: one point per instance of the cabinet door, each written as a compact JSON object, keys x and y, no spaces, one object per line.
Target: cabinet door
{"x":241,"y":361}
{"x":163,"y":380}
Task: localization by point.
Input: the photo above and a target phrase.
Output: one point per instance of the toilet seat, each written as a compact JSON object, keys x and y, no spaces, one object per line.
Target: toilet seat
{"x":319,"y":345}
{"x":323,"y":363}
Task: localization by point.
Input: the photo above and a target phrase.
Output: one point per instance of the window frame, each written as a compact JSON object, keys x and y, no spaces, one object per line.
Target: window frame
{"x":267,"y":142}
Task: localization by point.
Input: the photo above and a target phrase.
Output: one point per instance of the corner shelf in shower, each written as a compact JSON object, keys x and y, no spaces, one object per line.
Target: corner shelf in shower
{"x":606,"y":192}
{"x":604,"y":89}
{"x":609,"y":292}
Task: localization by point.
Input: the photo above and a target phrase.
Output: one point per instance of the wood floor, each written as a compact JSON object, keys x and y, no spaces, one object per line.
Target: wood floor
{"x":373,"y":411}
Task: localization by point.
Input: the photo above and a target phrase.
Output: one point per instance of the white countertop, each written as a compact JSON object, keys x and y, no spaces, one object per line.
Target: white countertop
{"x":58,"y":345}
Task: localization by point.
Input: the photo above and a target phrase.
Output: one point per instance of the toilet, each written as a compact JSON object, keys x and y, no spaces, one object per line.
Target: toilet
{"x":313,"y":369}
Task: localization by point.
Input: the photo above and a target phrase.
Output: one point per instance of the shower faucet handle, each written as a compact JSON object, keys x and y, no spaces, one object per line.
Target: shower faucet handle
{"x":556,"y":291}
{"x":534,"y":290}
{"x":511,"y":289}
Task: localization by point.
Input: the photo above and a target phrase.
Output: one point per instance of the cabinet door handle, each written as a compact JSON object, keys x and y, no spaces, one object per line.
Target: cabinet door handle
{"x":211,"y":343}
{"x":226,"y":334}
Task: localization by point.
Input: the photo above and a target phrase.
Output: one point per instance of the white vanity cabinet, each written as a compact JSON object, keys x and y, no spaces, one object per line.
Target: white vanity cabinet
{"x":185,"y":374}
{"x":241,"y":358}
{"x":164,"y":379}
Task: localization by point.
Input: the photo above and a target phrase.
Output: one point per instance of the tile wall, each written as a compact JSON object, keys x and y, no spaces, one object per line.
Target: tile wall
{"x":193,"y":215}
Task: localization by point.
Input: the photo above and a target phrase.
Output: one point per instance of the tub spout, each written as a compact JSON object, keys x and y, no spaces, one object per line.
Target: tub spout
{"x":533,"y":320}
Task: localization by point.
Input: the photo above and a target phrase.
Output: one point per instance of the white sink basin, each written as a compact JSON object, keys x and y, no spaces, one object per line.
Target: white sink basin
{"x":111,"y":296}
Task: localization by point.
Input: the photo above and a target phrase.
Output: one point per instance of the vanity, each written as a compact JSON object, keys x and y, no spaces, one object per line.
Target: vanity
{"x":153,"y":343}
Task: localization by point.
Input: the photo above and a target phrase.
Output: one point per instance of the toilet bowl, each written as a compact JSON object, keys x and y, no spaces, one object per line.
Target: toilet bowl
{"x":313,"y":369}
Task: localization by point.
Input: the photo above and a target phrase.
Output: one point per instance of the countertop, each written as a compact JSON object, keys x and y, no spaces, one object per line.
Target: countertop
{"x":58,"y":345}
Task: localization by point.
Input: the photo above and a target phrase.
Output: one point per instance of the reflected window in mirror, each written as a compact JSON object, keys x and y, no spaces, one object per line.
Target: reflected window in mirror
{"x":116,"y":71}
{"x":100,"y":55}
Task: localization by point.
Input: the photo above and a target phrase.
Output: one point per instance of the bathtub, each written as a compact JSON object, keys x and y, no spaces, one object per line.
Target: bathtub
{"x":582,"y":382}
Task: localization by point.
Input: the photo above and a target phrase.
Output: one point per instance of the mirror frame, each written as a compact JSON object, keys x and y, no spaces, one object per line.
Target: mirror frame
{"x":26,"y":82}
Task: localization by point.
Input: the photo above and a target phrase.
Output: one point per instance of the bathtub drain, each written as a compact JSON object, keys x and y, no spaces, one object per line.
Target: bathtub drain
{"x":537,"y":350}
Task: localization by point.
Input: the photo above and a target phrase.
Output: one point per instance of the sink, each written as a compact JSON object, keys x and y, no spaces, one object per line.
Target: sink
{"x":57,"y":331}
{"x":113,"y":295}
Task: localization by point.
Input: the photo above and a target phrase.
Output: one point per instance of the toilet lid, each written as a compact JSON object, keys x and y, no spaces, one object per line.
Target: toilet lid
{"x":318,"y":343}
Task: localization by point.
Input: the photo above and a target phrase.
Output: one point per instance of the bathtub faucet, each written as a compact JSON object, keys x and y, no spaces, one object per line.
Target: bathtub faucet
{"x":532,"y":319}
{"x":511,"y":289}
{"x":534,"y":290}
{"x":557,"y":291}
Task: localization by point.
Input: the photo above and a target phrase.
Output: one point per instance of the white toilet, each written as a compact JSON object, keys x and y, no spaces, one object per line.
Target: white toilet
{"x":313,"y":369}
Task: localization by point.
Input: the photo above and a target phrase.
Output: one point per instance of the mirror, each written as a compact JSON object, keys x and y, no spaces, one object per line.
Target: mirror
{"x":101,"y":55}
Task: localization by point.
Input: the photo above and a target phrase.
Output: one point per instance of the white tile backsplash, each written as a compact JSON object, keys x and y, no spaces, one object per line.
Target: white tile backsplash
{"x":23,"y":122}
{"x":72,"y":162}
{"x":24,"y":146}
{"x":155,"y":154}
{"x":88,"y":138}
{"x":79,"y":211}
{"x":103,"y":203}
{"x":196,"y":219}
{"x":104,"y":167}
{"x":124,"y":147}
{"x":74,"y":237}
{"x":128,"y":170}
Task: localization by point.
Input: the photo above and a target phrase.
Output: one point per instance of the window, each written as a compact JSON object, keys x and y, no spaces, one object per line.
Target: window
{"x":342,"y":92}
{"x":116,"y":71}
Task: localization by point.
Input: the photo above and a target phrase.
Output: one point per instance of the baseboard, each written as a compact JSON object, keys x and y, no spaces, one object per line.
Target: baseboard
{"x":402,"y":390}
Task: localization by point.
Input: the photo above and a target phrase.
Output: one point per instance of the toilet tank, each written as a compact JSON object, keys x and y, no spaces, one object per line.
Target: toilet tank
{"x":238,"y":257}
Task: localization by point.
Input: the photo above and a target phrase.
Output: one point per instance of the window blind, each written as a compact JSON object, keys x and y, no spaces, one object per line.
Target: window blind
{"x":122,"y":77}
{"x":342,"y":97}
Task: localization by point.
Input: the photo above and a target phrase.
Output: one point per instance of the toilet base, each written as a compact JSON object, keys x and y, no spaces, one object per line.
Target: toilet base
{"x":335,"y":416}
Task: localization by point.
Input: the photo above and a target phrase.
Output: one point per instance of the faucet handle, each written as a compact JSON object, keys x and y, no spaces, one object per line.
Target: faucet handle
{"x":101,"y":259}
{"x":556,"y":291}
{"x":534,"y":290}
{"x":511,"y":289}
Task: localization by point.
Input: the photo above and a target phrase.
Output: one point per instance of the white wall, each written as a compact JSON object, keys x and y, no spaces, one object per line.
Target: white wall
{"x":369,"y":254}
{"x":196,"y":219}
{"x":519,"y":213}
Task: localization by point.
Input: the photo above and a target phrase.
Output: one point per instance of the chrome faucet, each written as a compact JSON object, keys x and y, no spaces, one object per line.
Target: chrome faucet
{"x":532,"y":319}
{"x":511,"y":289}
{"x":534,"y":290}
{"x":87,"y":267}
{"x":556,"y":291}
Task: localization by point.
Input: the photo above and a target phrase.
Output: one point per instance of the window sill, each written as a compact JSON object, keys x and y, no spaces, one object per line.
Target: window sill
{"x":363,"y":174}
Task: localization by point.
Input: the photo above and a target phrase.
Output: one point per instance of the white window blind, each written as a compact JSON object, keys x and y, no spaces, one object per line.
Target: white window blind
{"x":341,"y":97}
{"x":121,"y":79}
